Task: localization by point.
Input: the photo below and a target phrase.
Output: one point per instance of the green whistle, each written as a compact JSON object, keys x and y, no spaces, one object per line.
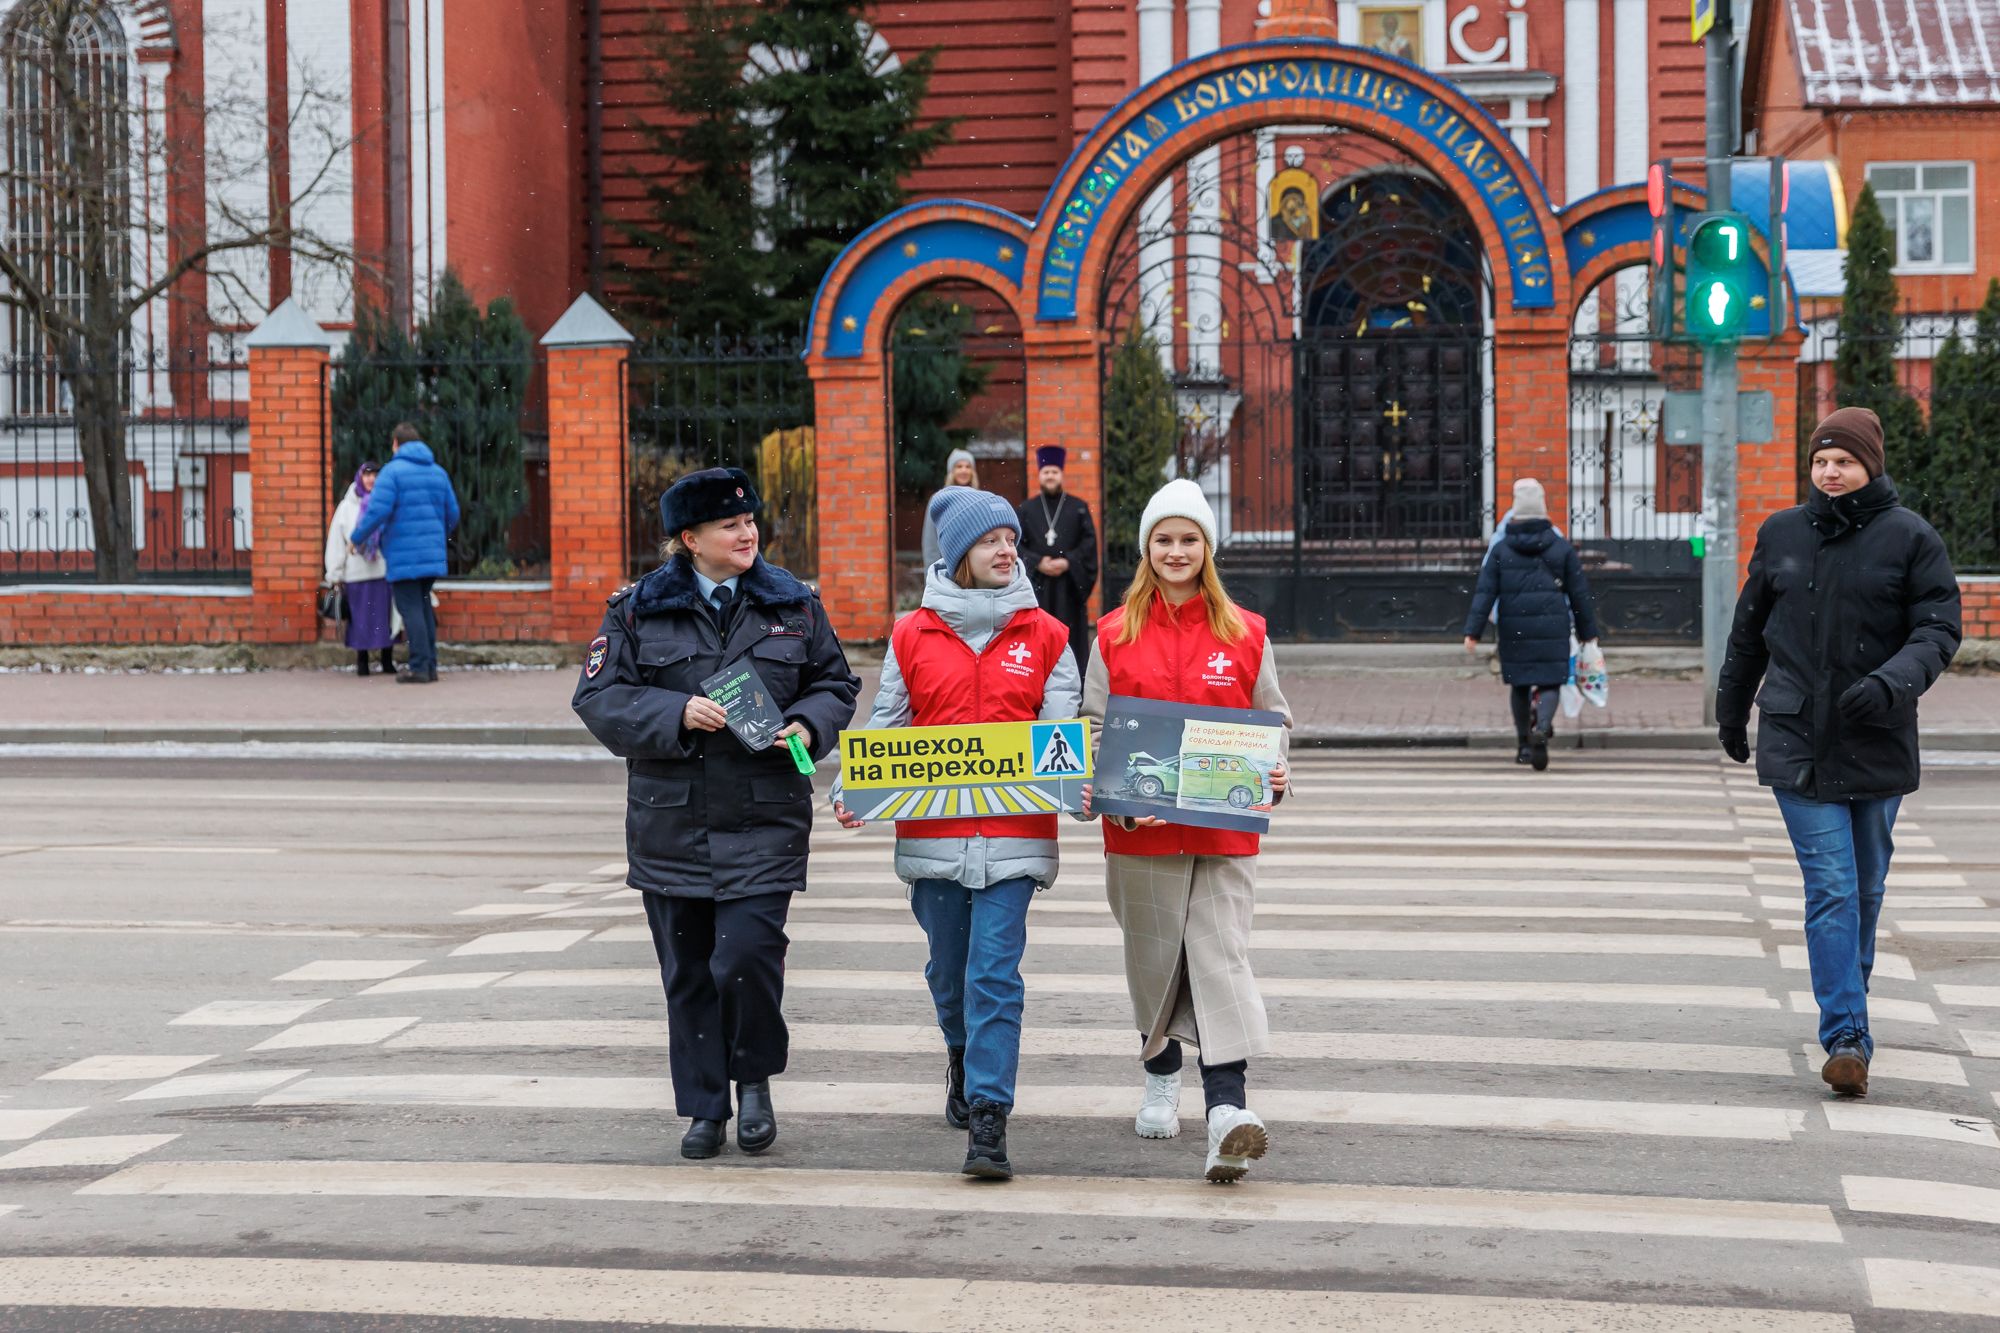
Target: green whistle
{"x":800,"y":759}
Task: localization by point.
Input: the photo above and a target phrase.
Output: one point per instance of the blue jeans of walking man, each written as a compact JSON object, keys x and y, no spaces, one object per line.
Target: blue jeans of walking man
{"x":977,"y":937}
{"x":1843,"y":849}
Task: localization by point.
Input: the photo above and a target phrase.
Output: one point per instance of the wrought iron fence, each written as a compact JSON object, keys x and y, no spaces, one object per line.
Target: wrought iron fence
{"x":484,"y":417}
{"x":721,"y":400}
{"x":182,"y":431}
{"x":1945,"y":458}
{"x":1634,"y":498}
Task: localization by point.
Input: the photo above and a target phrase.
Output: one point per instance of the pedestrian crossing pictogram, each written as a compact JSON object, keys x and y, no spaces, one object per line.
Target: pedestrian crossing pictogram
{"x":1058,"y":748}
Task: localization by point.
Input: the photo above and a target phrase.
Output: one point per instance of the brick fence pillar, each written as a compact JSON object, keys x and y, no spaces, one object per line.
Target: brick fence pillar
{"x":290,"y":502}
{"x":1767,"y":475}
{"x":856,"y":496}
{"x":588,"y":493}
{"x":1531,"y":416}
{"x":1064,"y":408}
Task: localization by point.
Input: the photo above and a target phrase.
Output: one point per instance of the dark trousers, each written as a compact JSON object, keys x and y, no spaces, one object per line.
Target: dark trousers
{"x":1221,"y":1085}
{"x":723,"y":966}
{"x":420,"y":622}
{"x":1534,"y":708}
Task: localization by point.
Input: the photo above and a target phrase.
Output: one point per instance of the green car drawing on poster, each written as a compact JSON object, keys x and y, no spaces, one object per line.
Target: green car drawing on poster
{"x":1199,"y":777}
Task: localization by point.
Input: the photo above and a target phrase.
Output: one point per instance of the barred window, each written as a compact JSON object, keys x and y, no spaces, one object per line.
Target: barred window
{"x":67,"y":130}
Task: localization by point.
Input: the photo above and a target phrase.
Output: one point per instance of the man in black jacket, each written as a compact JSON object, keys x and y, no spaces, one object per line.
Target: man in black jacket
{"x":1849,"y":612}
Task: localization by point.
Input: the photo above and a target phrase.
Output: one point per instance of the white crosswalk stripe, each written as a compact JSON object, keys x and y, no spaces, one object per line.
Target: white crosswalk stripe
{"x":1424,"y":924}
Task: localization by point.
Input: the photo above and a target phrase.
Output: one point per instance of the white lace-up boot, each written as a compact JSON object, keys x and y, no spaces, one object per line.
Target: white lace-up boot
{"x":1160,"y":1110}
{"x":1236,"y":1138}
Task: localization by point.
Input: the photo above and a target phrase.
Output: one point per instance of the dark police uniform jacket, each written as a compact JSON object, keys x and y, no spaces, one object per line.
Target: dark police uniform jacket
{"x":704,"y":816}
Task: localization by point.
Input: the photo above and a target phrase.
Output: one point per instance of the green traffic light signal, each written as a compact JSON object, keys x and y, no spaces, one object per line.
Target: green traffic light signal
{"x":1723,"y":276}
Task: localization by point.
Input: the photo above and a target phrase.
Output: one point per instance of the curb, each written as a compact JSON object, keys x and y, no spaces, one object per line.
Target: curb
{"x":501,"y":736}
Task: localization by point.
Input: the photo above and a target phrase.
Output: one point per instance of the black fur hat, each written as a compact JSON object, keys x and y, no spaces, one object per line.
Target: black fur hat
{"x":705,"y":496}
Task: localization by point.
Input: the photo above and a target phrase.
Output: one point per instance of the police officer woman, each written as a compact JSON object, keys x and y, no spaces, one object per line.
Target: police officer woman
{"x":716,"y":835}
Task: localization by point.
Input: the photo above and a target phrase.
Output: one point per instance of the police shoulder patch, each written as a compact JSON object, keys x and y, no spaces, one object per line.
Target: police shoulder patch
{"x":600,"y":648}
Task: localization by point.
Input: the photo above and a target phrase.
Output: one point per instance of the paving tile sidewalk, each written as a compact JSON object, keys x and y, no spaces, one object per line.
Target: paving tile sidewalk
{"x":1329,"y":703}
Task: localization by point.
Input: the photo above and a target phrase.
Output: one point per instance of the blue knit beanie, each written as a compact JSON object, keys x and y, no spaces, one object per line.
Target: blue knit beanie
{"x":963,"y":515}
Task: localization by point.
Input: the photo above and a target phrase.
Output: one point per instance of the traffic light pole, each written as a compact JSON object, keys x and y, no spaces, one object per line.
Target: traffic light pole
{"x":1718,"y":385}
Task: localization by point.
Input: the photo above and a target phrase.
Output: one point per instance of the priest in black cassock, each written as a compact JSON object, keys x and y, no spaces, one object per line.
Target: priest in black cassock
{"x":1059,"y":547}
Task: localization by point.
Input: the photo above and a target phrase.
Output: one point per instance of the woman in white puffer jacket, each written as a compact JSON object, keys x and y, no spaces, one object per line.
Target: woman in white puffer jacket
{"x":372,"y":623}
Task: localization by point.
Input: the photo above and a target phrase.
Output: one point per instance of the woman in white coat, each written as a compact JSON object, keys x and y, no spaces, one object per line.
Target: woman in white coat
{"x":364,"y":577}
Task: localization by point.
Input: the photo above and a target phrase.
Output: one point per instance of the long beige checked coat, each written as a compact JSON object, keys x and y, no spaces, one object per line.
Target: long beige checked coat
{"x":1186,"y":921}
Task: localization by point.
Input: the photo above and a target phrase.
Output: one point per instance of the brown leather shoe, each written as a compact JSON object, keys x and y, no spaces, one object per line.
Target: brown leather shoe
{"x":1846,"y":1069}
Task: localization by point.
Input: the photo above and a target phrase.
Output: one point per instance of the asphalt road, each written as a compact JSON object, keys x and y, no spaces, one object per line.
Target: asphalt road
{"x":340,"y":1044}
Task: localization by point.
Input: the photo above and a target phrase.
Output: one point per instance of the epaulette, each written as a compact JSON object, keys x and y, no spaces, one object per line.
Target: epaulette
{"x":622,"y":593}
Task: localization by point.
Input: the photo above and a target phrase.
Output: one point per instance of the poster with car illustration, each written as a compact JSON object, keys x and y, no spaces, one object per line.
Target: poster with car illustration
{"x":1208,"y":767}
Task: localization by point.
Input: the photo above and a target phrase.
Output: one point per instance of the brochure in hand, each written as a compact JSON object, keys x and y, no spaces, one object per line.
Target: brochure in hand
{"x":747,"y":700}
{"x":1186,"y":764}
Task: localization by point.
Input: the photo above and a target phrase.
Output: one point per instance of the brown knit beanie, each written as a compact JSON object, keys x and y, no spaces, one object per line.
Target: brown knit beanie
{"x":1856,"y":430}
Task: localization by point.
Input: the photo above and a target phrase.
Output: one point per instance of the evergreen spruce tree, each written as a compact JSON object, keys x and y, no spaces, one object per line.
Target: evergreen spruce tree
{"x":462,"y":380}
{"x":935,"y":379}
{"x":477,"y":367}
{"x":1865,"y":373}
{"x":1141,"y":429}
{"x":375,"y":384}
{"x":841,"y":127}
{"x":1965,"y":441}
{"x":697,"y":263}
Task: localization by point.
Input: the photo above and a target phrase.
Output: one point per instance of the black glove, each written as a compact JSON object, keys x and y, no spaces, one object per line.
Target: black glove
{"x":1866,"y":700}
{"x":1735,"y":742}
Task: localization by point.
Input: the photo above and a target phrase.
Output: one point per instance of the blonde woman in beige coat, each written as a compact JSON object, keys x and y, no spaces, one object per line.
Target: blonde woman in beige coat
{"x":1184,"y":896}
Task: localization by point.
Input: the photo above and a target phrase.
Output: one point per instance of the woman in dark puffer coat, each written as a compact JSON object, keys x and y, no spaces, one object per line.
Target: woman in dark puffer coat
{"x":1537,"y":581}
{"x":1849,"y":612}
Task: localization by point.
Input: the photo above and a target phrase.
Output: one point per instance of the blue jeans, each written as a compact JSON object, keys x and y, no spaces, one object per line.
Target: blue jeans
{"x":977,"y":937}
{"x":420,"y":624}
{"x":1843,"y":849}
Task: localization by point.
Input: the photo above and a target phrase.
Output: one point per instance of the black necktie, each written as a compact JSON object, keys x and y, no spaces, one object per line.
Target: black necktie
{"x":722,"y":597}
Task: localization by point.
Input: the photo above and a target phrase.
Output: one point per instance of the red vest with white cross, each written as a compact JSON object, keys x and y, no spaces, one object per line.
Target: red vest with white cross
{"x":1176,"y":659}
{"x":950,"y":685}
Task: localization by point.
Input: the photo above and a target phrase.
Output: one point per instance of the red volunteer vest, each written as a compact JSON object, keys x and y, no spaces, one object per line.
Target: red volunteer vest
{"x":950,"y":685}
{"x":1176,"y":659}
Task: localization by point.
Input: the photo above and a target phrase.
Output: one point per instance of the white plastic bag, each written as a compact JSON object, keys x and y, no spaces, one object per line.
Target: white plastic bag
{"x":1591,"y":679}
{"x":1572,"y":698}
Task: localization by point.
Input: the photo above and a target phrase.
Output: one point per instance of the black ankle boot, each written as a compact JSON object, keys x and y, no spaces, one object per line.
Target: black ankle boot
{"x":361,"y":663}
{"x":703,"y":1139}
{"x":986,"y":1143}
{"x":957,"y":1113}
{"x":388,"y":662}
{"x":756,"y":1122}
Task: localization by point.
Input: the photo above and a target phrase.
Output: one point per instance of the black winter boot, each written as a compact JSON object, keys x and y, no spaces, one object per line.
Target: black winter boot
{"x":1538,"y":749}
{"x":986,"y":1143}
{"x":361,"y":662}
{"x":957,"y":1113}
{"x":388,"y":661}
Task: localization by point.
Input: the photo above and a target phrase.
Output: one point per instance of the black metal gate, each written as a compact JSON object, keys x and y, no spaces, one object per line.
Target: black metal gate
{"x":1635,"y":498}
{"x":1390,"y":435}
{"x":1330,"y":378}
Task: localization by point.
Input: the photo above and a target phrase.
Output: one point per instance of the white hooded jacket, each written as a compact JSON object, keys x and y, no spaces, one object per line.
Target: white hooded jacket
{"x":342,"y":567}
{"x":975,"y":615}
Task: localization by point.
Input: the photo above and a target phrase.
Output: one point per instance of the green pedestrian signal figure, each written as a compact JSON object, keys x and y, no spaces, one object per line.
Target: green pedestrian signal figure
{"x":1723,"y":275}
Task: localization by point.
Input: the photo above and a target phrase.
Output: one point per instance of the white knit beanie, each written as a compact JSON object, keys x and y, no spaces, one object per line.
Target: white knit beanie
{"x":1179,"y":498}
{"x":1530,"y":500}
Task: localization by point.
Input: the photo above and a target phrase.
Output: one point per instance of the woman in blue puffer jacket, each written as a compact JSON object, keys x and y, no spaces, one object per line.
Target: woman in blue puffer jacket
{"x":1537,"y":580}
